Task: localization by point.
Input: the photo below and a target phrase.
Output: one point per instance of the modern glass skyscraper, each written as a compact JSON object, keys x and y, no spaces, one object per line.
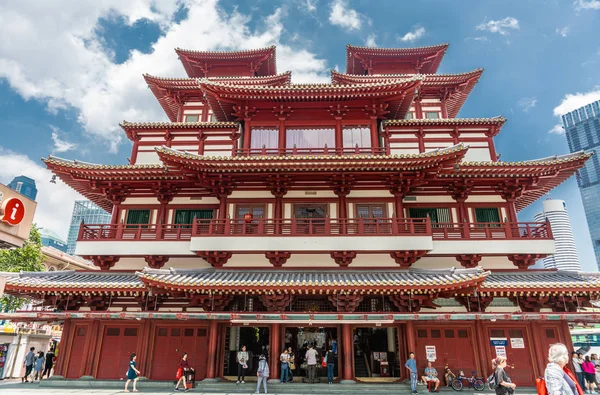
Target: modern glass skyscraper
{"x":582,"y":128}
{"x":25,"y":186}
{"x":89,"y":213}
{"x":565,"y":257}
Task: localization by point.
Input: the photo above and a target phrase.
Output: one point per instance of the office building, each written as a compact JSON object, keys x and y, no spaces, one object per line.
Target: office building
{"x":565,"y":257}
{"x":89,"y":213}
{"x":25,"y":186}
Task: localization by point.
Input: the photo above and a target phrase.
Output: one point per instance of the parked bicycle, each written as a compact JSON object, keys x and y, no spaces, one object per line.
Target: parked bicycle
{"x":475,"y":382}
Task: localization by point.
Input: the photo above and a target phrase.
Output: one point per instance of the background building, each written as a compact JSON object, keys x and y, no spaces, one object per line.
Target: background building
{"x":565,"y":257}
{"x":51,"y":239}
{"x":25,"y":186}
{"x":582,"y":128}
{"x":12,"y":236}
{"x":88,"y":212}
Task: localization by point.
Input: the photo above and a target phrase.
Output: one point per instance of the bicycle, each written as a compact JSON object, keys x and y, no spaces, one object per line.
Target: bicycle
{"x":475,"y":382}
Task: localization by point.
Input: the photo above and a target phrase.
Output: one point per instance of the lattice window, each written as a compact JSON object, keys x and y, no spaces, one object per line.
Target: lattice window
{"x":313,"y":305}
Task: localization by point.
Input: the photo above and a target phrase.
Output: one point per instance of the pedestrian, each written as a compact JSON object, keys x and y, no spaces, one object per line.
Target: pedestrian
{"x":411,"y":365}
{"x":49,"y":363}
{"x":291,"y":365}
{"x":431,"y":374}
{"x":28,"y":363}
{"x":242,"y":359}
{"x":589,"y":372}
{"x":311,"y":362}
{"x":330,"y":360}
{"x":577,"y":361}
{"x":595,"y":360}
{"x":132,"y":373}
{"x":557,"y":382}
{"x":503,"y":384}
{"x":262,"y":374}
{"x":284,"y":358}
{"x":38,"y":366}
{"x":184,"y":367}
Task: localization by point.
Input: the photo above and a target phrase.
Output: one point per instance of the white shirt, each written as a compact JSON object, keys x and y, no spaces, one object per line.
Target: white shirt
{"x":284,"y":358}
{"x":311,"y":356}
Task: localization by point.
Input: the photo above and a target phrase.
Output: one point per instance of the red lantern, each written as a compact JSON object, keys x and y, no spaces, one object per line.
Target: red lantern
{"x":248,"y":218}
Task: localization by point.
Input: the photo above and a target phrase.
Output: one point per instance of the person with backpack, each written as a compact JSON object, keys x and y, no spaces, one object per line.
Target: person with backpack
{"x":262,"y":374}
{"x":556,"y":377}
{"x":503,"y":384}
{"x":330,"y":361}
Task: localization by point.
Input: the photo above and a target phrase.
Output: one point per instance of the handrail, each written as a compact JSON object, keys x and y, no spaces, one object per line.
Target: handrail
{"x":309,"y":151}
{"x":492,"y":230}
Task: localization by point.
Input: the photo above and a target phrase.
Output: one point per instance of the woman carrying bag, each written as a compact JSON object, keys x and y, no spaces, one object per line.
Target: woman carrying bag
{"x":184,"y":367}
{"x":242,"y":358}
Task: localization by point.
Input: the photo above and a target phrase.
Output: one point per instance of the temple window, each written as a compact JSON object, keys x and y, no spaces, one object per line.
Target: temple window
{"x":357,"y":136}
{"x":138,"y":217}
{"x":191,"y":118}
{"x":485,"y":215}
{"x":436,"y":215}
{"x":370,"y":210}
{"x":409,"y":115}
{"x":264,"y":137}
{"x":186,"y":217}
{"x":310,"y":137}
{"x":257,"y":211}
{"x":432,"y":115}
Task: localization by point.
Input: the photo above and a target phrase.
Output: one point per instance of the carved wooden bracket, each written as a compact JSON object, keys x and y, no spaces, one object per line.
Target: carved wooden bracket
{"x":460,"y":190}
{"x":150,"y":302}
{"x":276,"y":302}
{"x":282,"y":112}
{"x":156,"y":261}
{"x":343,"y":258}
{"x":523,"y":261}
{"x":104,"y":262}
{"x":165,"y":193}
{"x":376,"y":110}
{"x":406,"y":258}
{"x":558,"y":303}
{"x":216,"y":302}
{"x":216,"y":258}
{"x":243,"y":112}
{"x":278,"y":185}
{"x":338,"y":111}
{"x":342,"y":184}
{"x":469,"y":260}
{"x":412,"y":303}
{"x":475,"y":303}
{"x":345,"y":303}
{"x":278,"y":258}
{"x":116,"y":195}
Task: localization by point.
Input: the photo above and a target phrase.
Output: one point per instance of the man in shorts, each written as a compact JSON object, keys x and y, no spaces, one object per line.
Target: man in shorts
{"x":431,"y":375}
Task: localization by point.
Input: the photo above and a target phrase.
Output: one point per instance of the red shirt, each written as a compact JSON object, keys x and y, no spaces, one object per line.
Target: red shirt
{"x":184,"y":364}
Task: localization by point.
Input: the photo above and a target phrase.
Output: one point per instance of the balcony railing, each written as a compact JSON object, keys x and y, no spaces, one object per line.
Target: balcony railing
{"x":492,"y":231}
{"x":314,"y":227}
{"x":318,"y":227}
{"x":309,"y":151}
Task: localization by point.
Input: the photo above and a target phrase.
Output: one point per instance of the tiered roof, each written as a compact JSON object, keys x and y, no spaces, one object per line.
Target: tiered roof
{"x":417,"y":60}
{"x":201,"y":64}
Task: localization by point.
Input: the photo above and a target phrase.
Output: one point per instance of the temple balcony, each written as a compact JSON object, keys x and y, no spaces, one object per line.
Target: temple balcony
{"x":318,"y":235}
{"x":319,"y":151}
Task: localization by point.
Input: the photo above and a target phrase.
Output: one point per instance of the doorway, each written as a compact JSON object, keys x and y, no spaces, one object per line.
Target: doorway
{"x":310,"y":218}
{"x":375,"y":352}
{"x":169,"y":345}
{"x":256,"y":340}
{"x":321,"y":338}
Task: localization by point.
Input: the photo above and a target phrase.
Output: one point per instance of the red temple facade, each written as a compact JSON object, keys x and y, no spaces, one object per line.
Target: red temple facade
{"x":360,"y":214}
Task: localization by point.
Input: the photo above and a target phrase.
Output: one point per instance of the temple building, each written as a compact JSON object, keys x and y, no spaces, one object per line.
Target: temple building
{"x":361,"y":214}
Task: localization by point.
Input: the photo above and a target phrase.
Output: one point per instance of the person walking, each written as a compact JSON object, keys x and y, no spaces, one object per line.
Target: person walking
{"x":132,"y":373}
{"x":595,"y":360}
{"x":311,"y":363}
{"x":284,"y":358}
{"x":330,"y":360}
{"x":38,"y":366}
{"x":556,"y":376}
{"x":589,"y":371}
{"x":411,"y":365}
{"x":291,"y":365}
{"x":242,"y":358}
{"x":577,"y":362}
{"x":28,"y":363}
{"x":262,"y":374}
{"x":184,"y":367}
{"x":503,"y":384}
{"x":49,"y":363}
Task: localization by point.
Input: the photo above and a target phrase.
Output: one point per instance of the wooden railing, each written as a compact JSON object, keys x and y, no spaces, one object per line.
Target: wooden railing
{"x":309,"y":151}
{"x":319,"y":227}
{"x":313,"y":227}
{"x":492,"y":231}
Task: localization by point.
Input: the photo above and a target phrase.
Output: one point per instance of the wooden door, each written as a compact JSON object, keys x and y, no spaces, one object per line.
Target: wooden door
{"x":518,"y":353}
{"x":310,"y":218}
{"x":171,"y":343}
{"x":118,"y":343}
{"x":76,"y":356}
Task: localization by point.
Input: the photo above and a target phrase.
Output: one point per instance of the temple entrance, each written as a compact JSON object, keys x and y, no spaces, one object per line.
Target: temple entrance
{"x":375,"y":353}
{"x":256,"y":340}
{"x":321,"y":338}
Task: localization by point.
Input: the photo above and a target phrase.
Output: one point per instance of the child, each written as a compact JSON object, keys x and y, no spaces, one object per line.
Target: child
{"x":39,"y":366}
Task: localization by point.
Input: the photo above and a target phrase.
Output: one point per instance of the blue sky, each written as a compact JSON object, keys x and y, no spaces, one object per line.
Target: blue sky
{"x":71,"y":71}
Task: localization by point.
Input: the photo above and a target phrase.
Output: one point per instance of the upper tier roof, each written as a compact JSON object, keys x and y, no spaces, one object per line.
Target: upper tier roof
{"x":253,"y":62}
{"x":173,"y":93}
{"x":451,"y":88}
{"x":417,"y":60}
{"x":222,"y":97}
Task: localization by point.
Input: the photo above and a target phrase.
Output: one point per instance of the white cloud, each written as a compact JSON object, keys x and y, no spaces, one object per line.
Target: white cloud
{"x":587,"y":5}
{"x":563,"y":31}
{"x":370,"y":41}
{"x":557,"y":129}
{"x":59,"y":144}
{"x":310,"y":5}
{"x":412,"y":36}
{"x":500,"y":26}
{"x":574,"y":101}
{"x":344,"y":16}
{"x":527,"y":103}
{"x":55,"y":201}
{"x":51,"y":51}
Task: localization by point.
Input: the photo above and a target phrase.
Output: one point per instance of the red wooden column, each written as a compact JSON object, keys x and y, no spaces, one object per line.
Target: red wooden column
{"x":347,"y":343}
{"x":399,"y":205}
{"x":418,"y":109}
{"x":95,"y":339}
{"x":281,"y":136}
{"x":339,"y":137}
{"x":540,"y":354}
{"x":340,"y":354}
{"x":67,"y":337}
{"x":211,"y":363}
{"x":274,"y":350}
{"x":374,"y":134}
{"x":482,"y":341}
{"x":115,"y":214}
{"x":247,"y":133}
{"x":411,"y":341}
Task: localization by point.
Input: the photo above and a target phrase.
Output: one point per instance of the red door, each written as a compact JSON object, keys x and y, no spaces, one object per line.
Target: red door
{"x":171,"y":343}
{"x":118,"y":343}
{"x":459,"y":350}
{"x":78,"y":345}
{"x":518,"y":353}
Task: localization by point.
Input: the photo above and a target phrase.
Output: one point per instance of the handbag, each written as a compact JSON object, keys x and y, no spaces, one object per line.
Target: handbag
{"x":179,"y":374}
{"x":292,"y":366}
{"x":540,"y":384}
{"x":324,"y":363}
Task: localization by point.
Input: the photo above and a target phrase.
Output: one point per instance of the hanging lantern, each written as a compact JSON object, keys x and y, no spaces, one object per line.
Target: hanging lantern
{"x":248,"y":218}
